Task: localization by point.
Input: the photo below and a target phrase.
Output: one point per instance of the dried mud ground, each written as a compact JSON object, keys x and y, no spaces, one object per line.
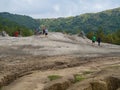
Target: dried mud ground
{"x":26,"y":62}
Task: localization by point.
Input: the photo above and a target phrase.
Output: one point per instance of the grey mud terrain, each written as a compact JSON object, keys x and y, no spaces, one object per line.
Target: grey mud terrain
{"x":27,"y":62}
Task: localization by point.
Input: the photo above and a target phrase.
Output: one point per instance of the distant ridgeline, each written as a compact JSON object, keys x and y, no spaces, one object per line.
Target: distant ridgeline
{"x":108,"y":20}
{"x":13,"y":22}
{"x":105,"y":24}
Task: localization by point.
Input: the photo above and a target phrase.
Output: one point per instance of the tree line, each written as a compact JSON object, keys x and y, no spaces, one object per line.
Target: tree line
{"x":113,"y":38}
{"x":10,"y":27}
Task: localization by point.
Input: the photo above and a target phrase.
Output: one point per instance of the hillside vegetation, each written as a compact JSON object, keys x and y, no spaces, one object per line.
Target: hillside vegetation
{"x":21,"y":20}
{"x":109,"y":21}
{"x":13,"y":22}
{"x":105,"y":24}
{"x":10,"y":27}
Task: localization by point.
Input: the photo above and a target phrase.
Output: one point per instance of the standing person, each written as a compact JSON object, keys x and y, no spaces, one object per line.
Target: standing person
{"x":46,"y":32}
{"x":93,"y":39}
{"x":16,"y":33}
{"x":99,"y":40}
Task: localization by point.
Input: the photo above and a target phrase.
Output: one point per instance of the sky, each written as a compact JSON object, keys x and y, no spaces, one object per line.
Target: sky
{"x":56,"y":8}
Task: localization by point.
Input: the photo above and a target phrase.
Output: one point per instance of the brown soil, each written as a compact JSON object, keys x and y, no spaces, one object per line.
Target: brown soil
{"x":26,"y":63}
{"x":53,"y":65}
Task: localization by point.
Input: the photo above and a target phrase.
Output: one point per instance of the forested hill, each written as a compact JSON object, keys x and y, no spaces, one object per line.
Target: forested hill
{"x":13,"y":22}
{"x":108,"y":21}
{"x":105,"y":24}
{"x":21,"y":20}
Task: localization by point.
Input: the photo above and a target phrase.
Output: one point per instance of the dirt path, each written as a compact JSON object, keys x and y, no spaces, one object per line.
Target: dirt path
{"x":37,"y":79}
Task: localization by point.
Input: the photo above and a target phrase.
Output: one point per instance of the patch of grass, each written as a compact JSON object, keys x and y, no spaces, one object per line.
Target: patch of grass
{"x":54,"y":77}
{"x":78,"y":78}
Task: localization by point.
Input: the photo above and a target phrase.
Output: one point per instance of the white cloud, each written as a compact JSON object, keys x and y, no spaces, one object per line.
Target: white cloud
{"x":56,"y":8}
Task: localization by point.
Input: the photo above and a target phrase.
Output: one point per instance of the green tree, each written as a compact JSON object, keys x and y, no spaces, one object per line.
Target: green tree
{"x":100,"y":33}
{"x":90,"y":35}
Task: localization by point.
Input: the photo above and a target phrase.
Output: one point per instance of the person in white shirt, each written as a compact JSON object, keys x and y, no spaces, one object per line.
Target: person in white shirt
{"x":46,"y":32}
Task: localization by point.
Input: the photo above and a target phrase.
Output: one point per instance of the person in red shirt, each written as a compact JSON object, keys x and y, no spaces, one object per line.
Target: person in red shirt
{"x":16,"y":34}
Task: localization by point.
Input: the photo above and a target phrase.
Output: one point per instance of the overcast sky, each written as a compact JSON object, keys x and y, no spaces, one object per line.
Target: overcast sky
{"x":56,"y":8}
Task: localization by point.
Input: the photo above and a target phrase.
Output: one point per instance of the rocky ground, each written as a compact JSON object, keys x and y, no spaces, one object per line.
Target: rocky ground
{"x":27,"y":62}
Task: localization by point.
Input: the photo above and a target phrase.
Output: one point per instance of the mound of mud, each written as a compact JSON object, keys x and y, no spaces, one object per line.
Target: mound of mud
{"x":109,"y":80}
{"x":109,"y":83}
{"x":60,"y":84}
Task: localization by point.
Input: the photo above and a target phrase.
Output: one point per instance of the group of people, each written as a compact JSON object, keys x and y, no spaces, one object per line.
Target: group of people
{"x":94,"y":40}
{"x":44,"y":31}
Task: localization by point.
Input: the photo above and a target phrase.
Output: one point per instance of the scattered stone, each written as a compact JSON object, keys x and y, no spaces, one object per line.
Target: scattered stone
{"x":4,"y":34}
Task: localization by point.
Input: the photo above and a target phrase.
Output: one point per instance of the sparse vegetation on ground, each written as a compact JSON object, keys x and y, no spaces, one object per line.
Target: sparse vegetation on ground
{"x":78,"y":77}
{"x":54,"y":77}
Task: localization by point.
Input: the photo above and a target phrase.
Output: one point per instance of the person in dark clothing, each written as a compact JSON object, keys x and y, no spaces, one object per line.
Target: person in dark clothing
{"x":43,"y":31}
{"x":99,"y":40}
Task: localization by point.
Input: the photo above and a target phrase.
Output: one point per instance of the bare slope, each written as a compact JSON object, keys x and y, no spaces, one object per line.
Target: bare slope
{"x":55,"y":44}
{"x":58,"y":53}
